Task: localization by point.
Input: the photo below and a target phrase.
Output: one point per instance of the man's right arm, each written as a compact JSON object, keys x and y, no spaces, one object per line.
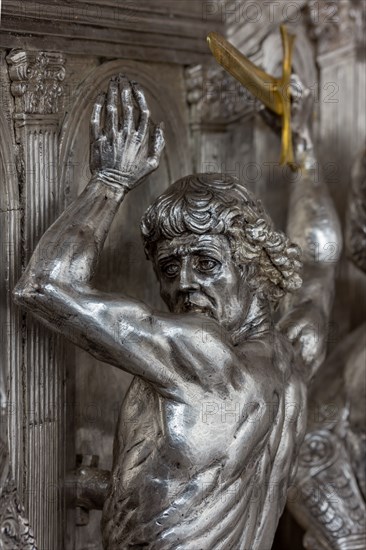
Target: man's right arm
{"x":56,"y":286}
{"x":58,"y":291}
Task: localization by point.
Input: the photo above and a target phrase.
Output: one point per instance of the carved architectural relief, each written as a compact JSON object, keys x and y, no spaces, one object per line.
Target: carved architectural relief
{"x":50,"y":161}
{"x":37,"y":81}
{"x":215,"y":97}
{"x":36,"y":84}
{"x":334,"y":24}
{"x":15,"y":532}
{"x":330,"y":23}
{"x":158,"y":29}
{"x":328,"y":501}
{"x":217,"y":102}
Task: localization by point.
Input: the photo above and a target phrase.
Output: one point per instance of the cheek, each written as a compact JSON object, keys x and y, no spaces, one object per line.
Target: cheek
{"x":164,"y":290}
{"x":233,"y":279}
{"x":227,"y":284}
{"x":168,"y":292}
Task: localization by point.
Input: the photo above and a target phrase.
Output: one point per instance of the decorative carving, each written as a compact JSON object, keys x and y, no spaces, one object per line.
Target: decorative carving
{"x":15,"y":532}
{"x":201,"y":234}
{"x":215,"y":97}
{"x":157,"y":30}
{"x":332,"y":23}
{"x":37,"y":87}
{"x":36,"y":81}
{"x":330,"y":480}
{"x":329,"y":504}
{"x":317,"y":451}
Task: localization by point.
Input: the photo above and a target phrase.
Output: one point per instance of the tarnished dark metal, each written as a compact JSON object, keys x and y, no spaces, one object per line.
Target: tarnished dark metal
{"x":87,"y":487}
{"x":15,"y":531}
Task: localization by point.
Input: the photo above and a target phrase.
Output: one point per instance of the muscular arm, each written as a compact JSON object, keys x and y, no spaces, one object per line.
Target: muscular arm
{"x":313,"y":225}
{"x":56,"y":284}
{"x":168,"y":351}
{"x":58,"y":290}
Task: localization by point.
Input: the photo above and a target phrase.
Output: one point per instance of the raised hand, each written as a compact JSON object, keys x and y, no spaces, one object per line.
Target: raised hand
{"x":125,"y":145}
{"x":301,"y":110}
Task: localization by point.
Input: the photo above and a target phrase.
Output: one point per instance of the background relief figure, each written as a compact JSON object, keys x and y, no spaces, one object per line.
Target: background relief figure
{"x":330,"y":484}
{"x":211,"y":426}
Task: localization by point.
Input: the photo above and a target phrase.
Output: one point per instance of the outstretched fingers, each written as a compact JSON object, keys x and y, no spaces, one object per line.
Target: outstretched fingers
{"x":158,"y":144}
{"x":95,"y":122}
{"x":111,"y":119}
{"x":143,"y":126}
{"x":127,"y":104}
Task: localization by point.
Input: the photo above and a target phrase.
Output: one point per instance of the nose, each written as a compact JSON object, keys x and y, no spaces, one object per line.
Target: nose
{"x":187,"y":278}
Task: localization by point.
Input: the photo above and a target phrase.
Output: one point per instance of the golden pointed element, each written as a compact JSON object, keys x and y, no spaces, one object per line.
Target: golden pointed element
{"x":273,"y":92}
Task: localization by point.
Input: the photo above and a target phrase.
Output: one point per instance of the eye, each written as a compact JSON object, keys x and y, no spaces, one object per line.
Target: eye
{"x":207,"y":264}
{"x":170,"y":270}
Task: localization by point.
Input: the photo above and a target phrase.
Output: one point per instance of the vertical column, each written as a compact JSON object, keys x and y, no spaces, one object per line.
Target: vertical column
{"x":38,"y":449}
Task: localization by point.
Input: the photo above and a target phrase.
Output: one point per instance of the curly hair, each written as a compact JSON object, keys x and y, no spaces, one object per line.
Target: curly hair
{"x":219,"y":204}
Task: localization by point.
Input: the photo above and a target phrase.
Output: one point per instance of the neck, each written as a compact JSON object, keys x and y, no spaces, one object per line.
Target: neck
{"x":258,"y":321}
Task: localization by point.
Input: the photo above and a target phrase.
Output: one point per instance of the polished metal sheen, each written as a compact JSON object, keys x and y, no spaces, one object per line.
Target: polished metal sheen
{"x":211,"y":426}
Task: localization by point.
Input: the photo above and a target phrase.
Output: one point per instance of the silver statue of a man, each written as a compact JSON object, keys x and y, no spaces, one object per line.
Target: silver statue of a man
{"x":216,"y":413}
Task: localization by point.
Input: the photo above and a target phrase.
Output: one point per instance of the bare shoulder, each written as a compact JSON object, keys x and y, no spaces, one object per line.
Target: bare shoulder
{"x":272,"y":347}
{"x":198,"y":344}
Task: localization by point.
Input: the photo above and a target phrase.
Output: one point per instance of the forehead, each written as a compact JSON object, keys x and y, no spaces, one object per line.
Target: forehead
{"x":191,"y":243}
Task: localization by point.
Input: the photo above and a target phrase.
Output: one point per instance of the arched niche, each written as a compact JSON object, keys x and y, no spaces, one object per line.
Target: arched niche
{"x":99,"y":389}
{"x":167,"y":103}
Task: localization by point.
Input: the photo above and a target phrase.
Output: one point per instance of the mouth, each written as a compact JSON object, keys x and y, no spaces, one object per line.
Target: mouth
{"x":197,"y":304}
{"x":192,"y":308}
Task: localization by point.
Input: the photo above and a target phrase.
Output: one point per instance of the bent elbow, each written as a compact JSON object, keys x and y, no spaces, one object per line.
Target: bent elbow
{"x":26,"y":292}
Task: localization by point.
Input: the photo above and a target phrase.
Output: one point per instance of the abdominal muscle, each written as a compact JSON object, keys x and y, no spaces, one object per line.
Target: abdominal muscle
{"x":202,"y":484}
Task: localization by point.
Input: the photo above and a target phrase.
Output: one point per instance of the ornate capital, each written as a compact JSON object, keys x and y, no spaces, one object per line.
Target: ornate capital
{"x":215,"y":97}
{"x":36,"y":81}
{"x":334,"y":24}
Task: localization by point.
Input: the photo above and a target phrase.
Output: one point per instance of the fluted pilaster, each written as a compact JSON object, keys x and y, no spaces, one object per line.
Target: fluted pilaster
{"x":38,"y":448}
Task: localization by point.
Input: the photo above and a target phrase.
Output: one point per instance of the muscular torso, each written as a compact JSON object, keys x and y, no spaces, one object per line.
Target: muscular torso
{"x":197,"y":472}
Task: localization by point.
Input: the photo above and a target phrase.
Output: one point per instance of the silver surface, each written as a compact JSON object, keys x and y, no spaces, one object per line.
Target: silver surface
{"x":211,"y":426}
{"x":330,"y":482}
